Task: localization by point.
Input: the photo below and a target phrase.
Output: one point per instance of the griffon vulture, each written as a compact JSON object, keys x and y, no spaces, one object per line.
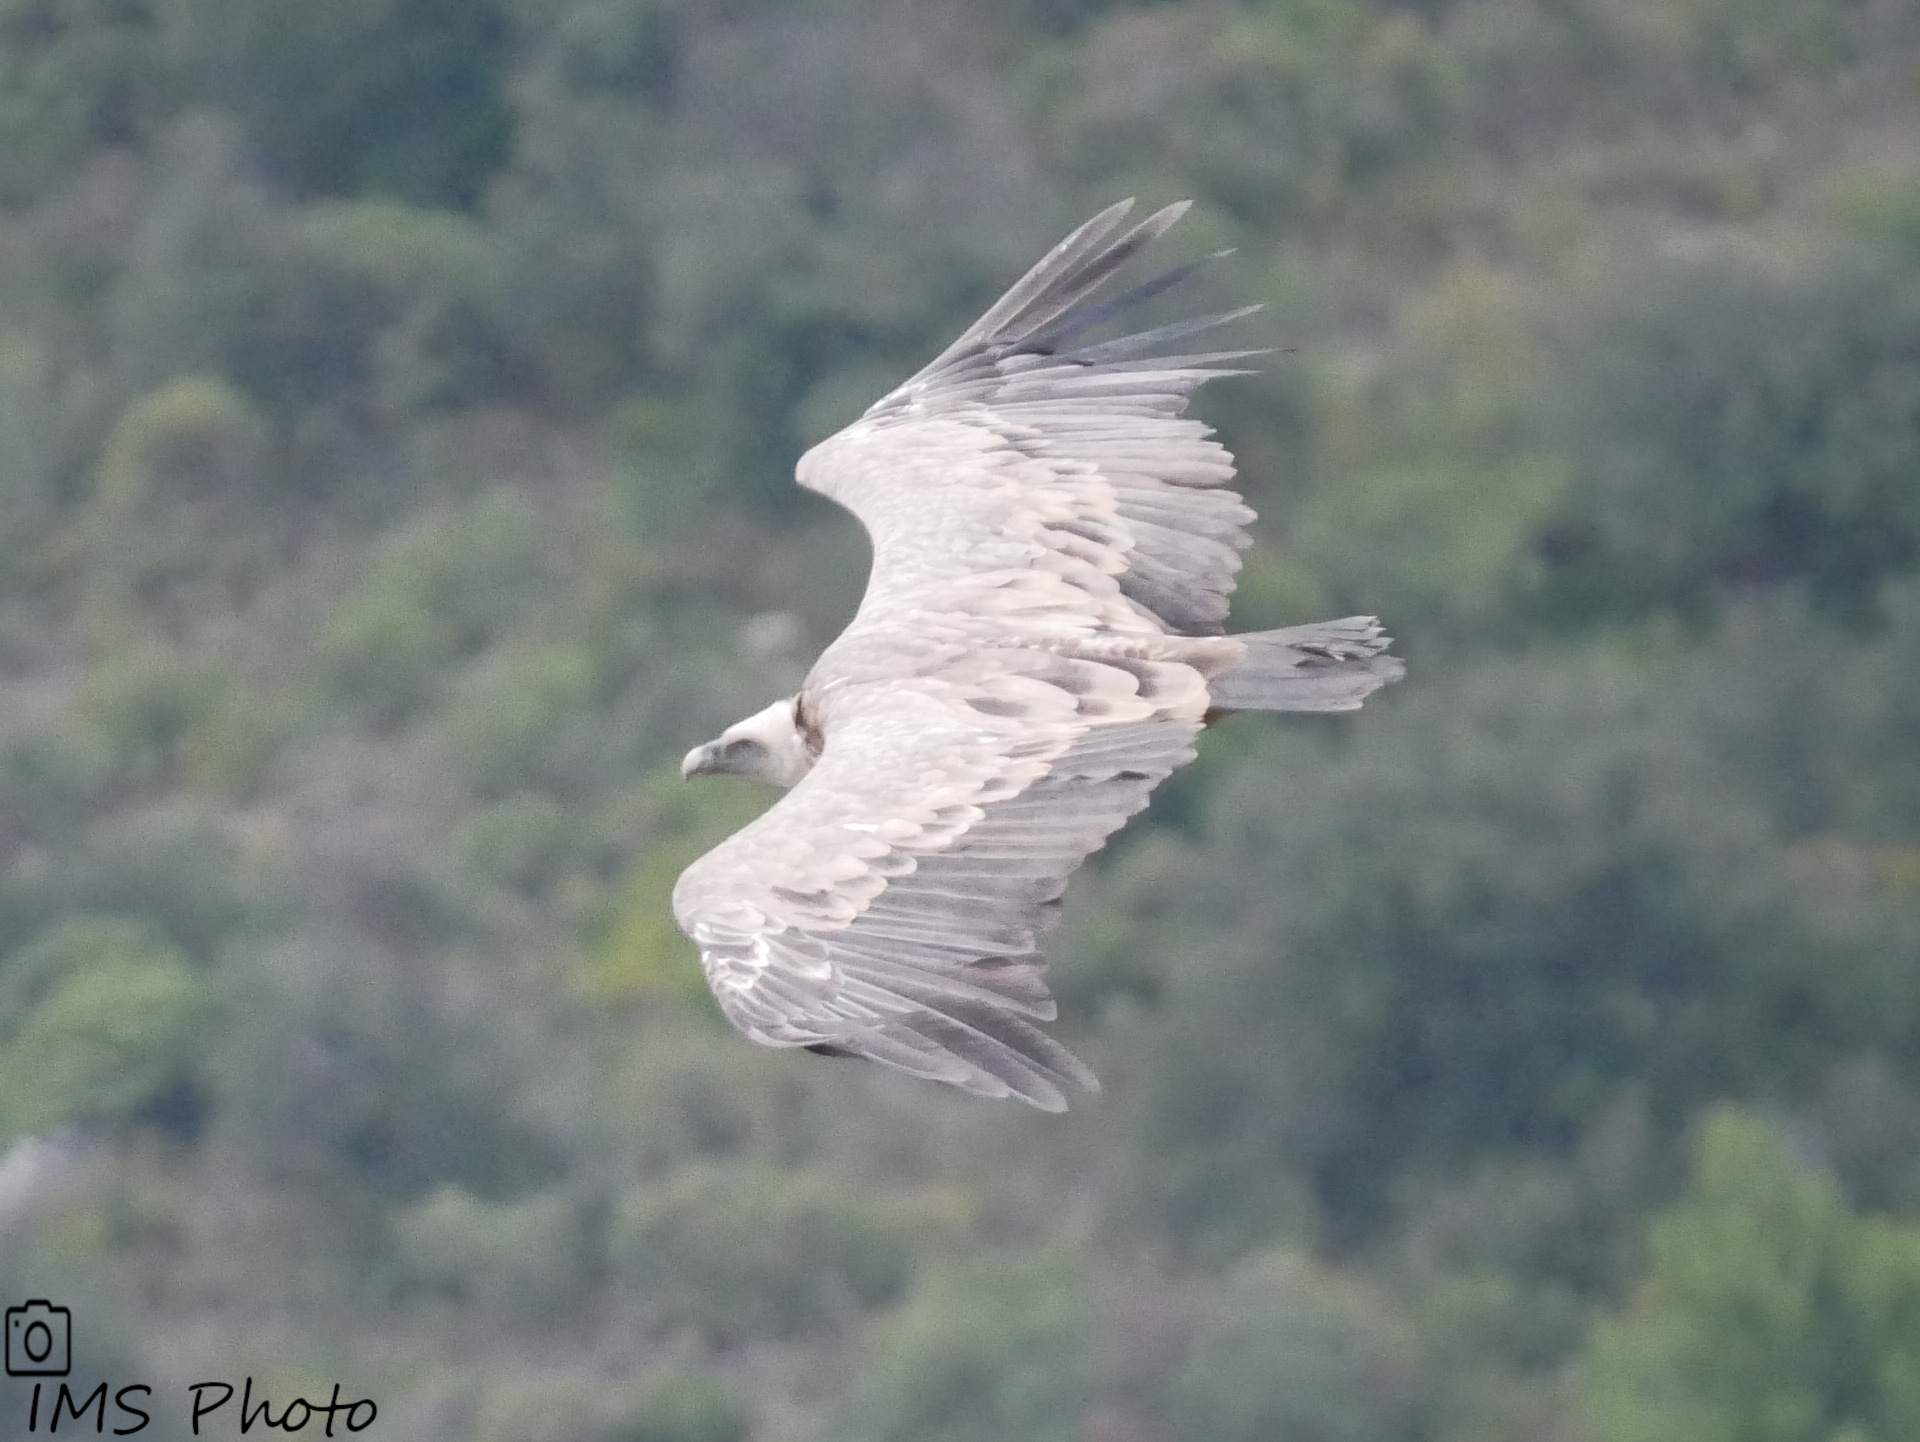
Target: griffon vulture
{"x":1040,"y":641}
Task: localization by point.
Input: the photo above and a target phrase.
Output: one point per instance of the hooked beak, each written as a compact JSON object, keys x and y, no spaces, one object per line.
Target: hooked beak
{"x":699,"y":761}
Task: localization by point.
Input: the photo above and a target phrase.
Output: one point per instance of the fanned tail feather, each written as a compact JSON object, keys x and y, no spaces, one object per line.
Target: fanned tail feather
{"x":1327,"y":666}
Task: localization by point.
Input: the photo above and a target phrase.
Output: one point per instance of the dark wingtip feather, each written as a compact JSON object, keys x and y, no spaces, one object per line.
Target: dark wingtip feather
{"x":1044,"y":308}
{"x":1103,"y":352}
{"x":1053,"y":269}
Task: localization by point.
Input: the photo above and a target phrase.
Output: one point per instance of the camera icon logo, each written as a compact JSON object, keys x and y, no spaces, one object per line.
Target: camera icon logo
{"x":39,"y":1340}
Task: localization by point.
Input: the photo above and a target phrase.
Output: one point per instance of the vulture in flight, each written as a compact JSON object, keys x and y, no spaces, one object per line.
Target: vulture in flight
{"x":1040,"y":641}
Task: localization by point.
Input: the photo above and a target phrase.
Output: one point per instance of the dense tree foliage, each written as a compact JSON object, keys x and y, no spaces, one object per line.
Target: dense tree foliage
{"x":398,"y":400}
{"x":1770,"y":1310}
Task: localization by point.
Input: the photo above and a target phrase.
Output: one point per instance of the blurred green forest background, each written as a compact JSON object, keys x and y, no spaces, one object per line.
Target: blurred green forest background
{"x":398,"y":400}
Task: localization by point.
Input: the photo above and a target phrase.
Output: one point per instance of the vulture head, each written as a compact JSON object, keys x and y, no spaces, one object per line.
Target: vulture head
{"x":767,"y":746}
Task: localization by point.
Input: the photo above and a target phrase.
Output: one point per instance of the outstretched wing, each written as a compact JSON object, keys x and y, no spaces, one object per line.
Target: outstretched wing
{"x":1022,"y":447}
{"x":890,"y":906}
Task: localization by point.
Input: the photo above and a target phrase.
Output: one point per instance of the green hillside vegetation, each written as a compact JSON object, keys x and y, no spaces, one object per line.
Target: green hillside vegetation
{"x":398,"y":402}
